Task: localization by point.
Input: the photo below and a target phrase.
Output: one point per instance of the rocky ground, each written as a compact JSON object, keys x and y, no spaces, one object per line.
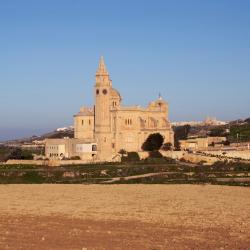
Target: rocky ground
{"x":124,"y":217}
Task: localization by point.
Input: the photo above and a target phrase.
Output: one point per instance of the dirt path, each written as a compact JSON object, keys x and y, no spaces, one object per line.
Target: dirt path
{"x":133,"y":177}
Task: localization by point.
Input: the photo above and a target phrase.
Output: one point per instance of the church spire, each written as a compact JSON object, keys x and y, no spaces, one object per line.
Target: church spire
{"x":101,"y":68}
{"x":102,"y":75}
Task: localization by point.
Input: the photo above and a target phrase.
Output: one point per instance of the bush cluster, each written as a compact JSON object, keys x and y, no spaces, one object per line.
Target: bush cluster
{"x":131,"y":157}
{"x":19,"y":154}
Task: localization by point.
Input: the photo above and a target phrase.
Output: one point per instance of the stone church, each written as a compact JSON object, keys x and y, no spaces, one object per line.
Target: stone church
{"x":109,"y":126}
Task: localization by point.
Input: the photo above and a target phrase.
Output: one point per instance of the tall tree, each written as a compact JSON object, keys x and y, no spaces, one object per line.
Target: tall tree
{"x":153,"y":142}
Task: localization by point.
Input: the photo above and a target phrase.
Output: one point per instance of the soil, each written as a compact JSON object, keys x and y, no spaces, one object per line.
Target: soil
{"x":124,"y":217}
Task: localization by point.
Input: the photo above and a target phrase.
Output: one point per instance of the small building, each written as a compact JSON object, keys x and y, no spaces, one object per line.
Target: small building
{"x":200,"y":143}
{"x":70,"y":147}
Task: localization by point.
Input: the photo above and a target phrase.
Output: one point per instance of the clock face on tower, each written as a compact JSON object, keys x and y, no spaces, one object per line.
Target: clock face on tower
{"x":104,"y":91}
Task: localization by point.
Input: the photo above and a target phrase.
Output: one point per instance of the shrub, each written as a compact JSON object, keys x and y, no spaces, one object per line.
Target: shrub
{"x":169,"y":160}
{"x":122,"y":152}
{"x":75,"y":157}
{"x":4,"y":153}
{"x":155,"y":160}
{"x":131,"y":157}
{"x":27,"y":155}
{"x":217,"y":131}
{"x":153,"y":142}
{"x":202,"y":162}
{"x":32,"y":177}
{"x":182,"y":159}
{"x":65,"y":158}
{"x":124,"y":158}
{"x":19,"y":154}
{"x":226,"y":143}
{"x":167,"y":146}
{"x":180,"y":133}
{"x":155,"y":154}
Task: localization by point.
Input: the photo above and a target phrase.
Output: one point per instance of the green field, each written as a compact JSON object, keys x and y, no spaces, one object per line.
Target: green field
{"x":164,"y":173}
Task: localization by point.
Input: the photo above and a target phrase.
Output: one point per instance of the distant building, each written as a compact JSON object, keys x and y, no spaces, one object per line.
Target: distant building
{"x":111,"y":126}
{"x":208,"y":121}
{"x":200,"y":143}
{"x":213,"y":121}
{"x":191,"y":123}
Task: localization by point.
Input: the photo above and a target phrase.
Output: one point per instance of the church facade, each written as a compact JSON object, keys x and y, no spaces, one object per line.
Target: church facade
{"x":111,"y":126}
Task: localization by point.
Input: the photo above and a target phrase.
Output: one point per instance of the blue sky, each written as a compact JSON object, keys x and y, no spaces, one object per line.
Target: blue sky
{"x":196,"y":53}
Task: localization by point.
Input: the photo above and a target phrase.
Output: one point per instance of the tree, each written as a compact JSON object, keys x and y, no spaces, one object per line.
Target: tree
{"x":27,"y":155}
{"x":247,"y":120}
{"x":19,"y":154}
{"x":16,"y":154}
{"x":122,"y":152}
{"x":180,"y":133}
{"x":153,"y":142}
{"x":226,"y":143}
{"x":4,"y":153}
{"x":217,"y":131}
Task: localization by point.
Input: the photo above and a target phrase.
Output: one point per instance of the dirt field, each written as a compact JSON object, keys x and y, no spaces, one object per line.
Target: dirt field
{"x":124,"y":217}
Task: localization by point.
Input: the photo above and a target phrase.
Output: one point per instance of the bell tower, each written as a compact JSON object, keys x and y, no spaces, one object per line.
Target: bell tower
{"x":103,"y":87}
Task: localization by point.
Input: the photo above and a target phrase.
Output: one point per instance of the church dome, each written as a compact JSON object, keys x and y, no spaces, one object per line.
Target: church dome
{"x":115,"y":94}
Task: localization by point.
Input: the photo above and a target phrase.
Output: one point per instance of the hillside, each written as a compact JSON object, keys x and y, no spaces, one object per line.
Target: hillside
{"x":58,"y":133}
{"x":235,"y":131}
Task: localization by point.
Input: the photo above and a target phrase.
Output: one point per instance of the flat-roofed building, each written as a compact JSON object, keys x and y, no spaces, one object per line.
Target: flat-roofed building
{"x":70,"y":147}
{"x":201,"y":143}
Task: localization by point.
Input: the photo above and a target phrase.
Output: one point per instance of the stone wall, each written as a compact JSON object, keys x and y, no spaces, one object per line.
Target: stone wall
{"x":47,"y":162}
{"x":27,"y":162}
{"x":244,"y":154}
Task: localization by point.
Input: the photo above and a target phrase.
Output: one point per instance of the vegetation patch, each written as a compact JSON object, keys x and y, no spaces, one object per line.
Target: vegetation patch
{"x":163,"y":172}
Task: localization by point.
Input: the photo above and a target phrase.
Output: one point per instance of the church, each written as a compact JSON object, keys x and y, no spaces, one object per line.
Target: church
{"x":101,"y":131}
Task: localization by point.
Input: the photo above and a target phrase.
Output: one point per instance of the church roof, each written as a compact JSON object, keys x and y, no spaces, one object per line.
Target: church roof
{"x":85,"y":111}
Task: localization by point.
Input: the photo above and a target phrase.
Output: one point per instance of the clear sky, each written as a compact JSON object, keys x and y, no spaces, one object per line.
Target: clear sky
{"x":196,"y":53}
